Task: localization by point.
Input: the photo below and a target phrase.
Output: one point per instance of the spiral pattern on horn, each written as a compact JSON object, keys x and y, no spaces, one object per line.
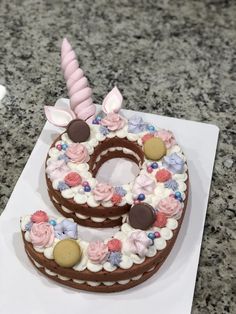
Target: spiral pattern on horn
{"x":77,"y":84}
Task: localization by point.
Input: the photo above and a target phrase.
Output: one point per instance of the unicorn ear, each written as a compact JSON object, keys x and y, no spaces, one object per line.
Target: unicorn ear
{"x":112,"y":102}
{"x":58,"y":117}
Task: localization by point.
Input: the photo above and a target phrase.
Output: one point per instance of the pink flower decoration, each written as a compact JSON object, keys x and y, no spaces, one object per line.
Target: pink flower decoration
{"x":39,"y":216}
{"x":77,"y":153}
{"x":170,"y":206}
{"x":114,"y":245}
{"x":147,"y":137}
{"x":103,"y":192}
{"x":167,"y":137}
{"x":113,"y":121}
{"x":116,"y":198}
{"x":143,"y":184}
{"x":161,"y":220}
{"x":138,"y":243}
{"x":42,"y":234}
{"x":73,"y":179}
{"x":97,"y":252}
{"x":57,"y":169}
{"x":163,"y":175}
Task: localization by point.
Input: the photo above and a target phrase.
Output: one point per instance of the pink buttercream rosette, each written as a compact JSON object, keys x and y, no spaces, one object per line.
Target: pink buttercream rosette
{"x":77,"y":153}
{"x":42,"y":234}
{"x":170,"y":206}
{"x":103,"y":192}
{"x":113,"y":121}
{"x":167,"y":137}
{"x":97,"y":252}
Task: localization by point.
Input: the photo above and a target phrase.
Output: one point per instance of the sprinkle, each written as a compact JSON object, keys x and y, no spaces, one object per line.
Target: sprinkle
{"x":87,"y":188}
{"x":141,"y":197}
{"x":59,"y":147}
{"x":64,"y":146}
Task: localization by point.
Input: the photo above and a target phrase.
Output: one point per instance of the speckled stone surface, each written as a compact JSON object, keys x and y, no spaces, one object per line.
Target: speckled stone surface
{"x":176,"y":58}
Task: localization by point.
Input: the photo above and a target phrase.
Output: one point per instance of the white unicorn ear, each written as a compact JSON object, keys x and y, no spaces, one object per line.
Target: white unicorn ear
{"x":58,"y":117}
{"x":112,"y":102}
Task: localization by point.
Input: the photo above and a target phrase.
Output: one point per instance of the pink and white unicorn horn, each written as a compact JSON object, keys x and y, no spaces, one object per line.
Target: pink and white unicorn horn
{"x":81,"y":103}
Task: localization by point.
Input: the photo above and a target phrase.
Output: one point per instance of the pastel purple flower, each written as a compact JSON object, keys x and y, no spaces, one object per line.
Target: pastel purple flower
{"x":136,"y":124}
{"x":66,"y":229}
{"x":171,"y":184}
{"x":174,"y":163}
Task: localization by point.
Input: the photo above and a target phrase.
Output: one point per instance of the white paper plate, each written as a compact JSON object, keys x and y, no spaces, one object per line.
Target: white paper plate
{"x":24,"y":290}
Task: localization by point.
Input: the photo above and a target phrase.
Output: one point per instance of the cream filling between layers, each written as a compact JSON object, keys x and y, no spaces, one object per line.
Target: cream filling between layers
{"x":89,"y":283}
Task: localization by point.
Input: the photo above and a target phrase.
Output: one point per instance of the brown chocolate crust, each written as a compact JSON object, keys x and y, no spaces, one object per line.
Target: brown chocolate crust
{"x":101,"y":288}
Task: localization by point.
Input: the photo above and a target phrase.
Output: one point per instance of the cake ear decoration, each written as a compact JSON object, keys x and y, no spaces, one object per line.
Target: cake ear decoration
{"x":112,"y":102}
{"x":77,"y":84}
{"x":58,"y":117}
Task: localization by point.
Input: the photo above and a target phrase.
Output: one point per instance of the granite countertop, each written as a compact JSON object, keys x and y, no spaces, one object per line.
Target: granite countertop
{"x":174,"y":58}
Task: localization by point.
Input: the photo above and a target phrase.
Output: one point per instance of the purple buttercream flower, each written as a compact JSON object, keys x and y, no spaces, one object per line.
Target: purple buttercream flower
{"x":63,"y":157}
{"x":104,"y":130}
{"x":136,"y":124}
{"x":174,"y":163}
{"x":171,"y":184}
{"x":120,"y":191}
{"x":66,"y":229}
{"x":62,"y":186}
{"x":115,"y":258}
{"x":28,"y":226}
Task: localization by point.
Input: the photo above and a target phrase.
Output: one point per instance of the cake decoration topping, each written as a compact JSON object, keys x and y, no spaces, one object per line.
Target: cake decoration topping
{"x":58,"y":117}
{"x":161,"y":220}
{"x":39,"y":216}
{"x":103,"y":192}
{"x":147,"y":137}
{"x":174,"y":163}
{"x":77,"y":84}
{"x":78,"y":131}
{"x":113,"y":121}
{"x":97,"y":252}
{"x":115,"y":258}
{"x":73,"y":179}
{"x":67,"y":253}
{"x":104,"y":130}
{"x":163,"y":175}
{"x":170,"y":206}
{"x":57,"y":169}
{"x":42,"y":234}
{"x":77,"y":153}
{"x":138,"y":242}
{"x":142,"y":216}
{"x":154,"y":148}
{"x":62,"y":186}
{"x":114,"y":245}
{"x":167,"y":137}
{"x":113,"y":101}
{"x":136,"y":124}
{"x":171,"y":184}
{"x":143,"y":184}
{"x":66,"y":229}
{"x":120,"y":190}
{"x":116,"y":198}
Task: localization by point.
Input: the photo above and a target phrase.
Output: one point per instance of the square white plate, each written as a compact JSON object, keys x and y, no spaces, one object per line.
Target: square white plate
{"x":24,"y":290}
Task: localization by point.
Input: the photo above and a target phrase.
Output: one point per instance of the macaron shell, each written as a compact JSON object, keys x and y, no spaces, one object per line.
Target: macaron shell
{"x":154,"y":148}
{"x":67,"y":253}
